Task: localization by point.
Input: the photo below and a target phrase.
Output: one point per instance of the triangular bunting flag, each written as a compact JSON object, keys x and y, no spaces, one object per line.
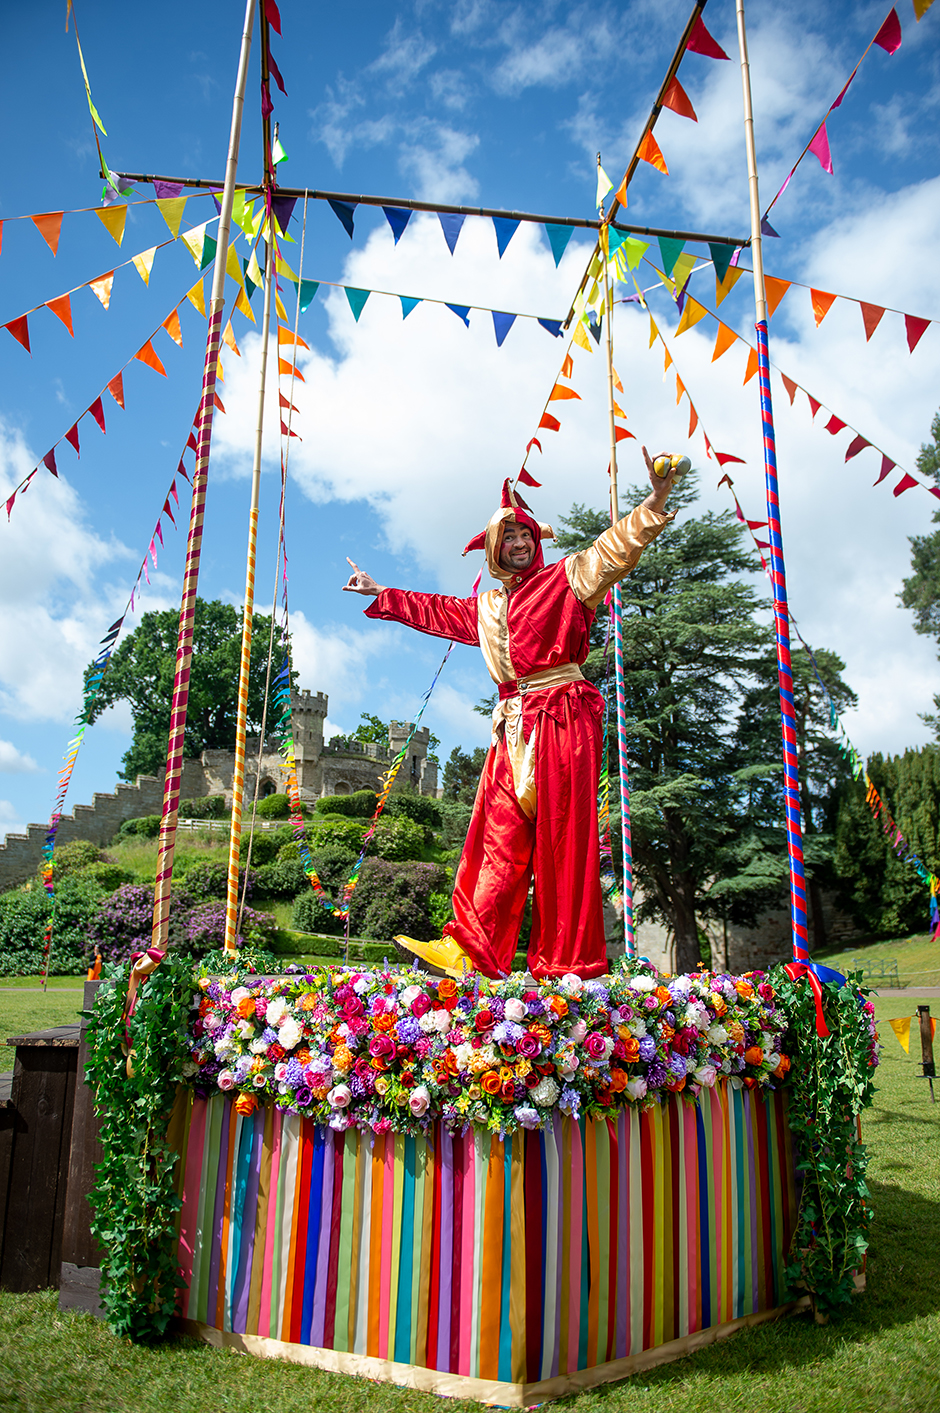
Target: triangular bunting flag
{"x":560,"y":393}
{"x":790,"y":386}
{"x":701,"y":42}
{"x":634,"y":250}
{"x":143,"y":263}
{"x":904,"y":484}
{"x":872,"y":315}
{"x":243,"y":307}
{"x":286,"y":402}
{"x":834,"y":425}
{"x":218,"y":403}
{"x":670,"y":251}
{"x":723,"y":341}
{"x":49,"y":462}
{"x":209,"y":245}
{"x":356,"y":299}
{"x":228,"y":338}
{"x":654,"y":332}
{"x":290,"y":370}
{"x":505,"y":229}
{"x":550,"y":423}
{"x":567,"y":368}
{"x":528,"y":480}
{"x":451,"y":225}
{"x":693,"y":418}
{"x":286,"y":431}
{"x":172,"y":325}
{"x":113,"y":218}
{"x":344,"y":212}
{"x":819,"y":146}
{"x":920,"y":9}
{"x":621,"y":434}
{"x":648,"y":151}
{"x":889,"y":36}
{"x":751,"y":368}
{"x":398,"y":218}
{"x":814,"y":406}
{"x":502,"y":323}
{"x":724,"y":457}
{"x":159,"y":533}
{"x":914,"y":328}
{"x":407,"y":304}
{"x":282,"y":268}
{"x":721,"y":258}
{"x":902,"y":1028}
{"x":580,"y":337}
{"x":166,"y":508}
{"x":822,"y":303}
{"x":172,"y":213}
{"x":774,"y":290}
{"x":288,"y":336}
{"x":62,"y":309}
{"x":725,"y":286}
{"x":116,"y":388}
{"x":233,"y":266}
{"x":859,"y":444}
{"x":71,"y":437}
{"x":604,"y":185}
{"x":97,"y":411}
{"x":767,"y":229}
{"x":887,"y":466}
{"x":194,"y":242}
{"x":667,"y":361}
{"x":558,"y":238}
{"x":102,"y":287}
{"x":677,"y":99}
{"x":19,"y":328}
{"x":148,"y":356}
{"x":307,"y":293}
{"x":49,"y":227}
{"x":197,"y":297}
{"x":551,"y":326}
{"x":680,"y":389}
{"x":461,"y":310}
{"x":691,"y":314}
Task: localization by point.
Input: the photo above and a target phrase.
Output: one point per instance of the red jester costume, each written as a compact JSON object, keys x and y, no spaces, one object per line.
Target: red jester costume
{"x":535,"y":813}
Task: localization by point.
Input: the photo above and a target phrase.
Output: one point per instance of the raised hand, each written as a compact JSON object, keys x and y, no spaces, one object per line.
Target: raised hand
{"x":360,"y":582}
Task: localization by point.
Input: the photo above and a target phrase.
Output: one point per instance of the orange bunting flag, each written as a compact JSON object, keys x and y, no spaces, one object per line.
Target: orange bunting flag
{"x":790,"y":386}
{"x":680,"y":389}
{"x":691,"y":314}
{"x":774,"y":290}
{"x":550,"y":423}
{"x":49,"y":227}
{"x":725,"y":286}
{"x":116,"y":388}
{"x":19,"y":328}
{"x":567,"y":368}
{"x":822,"y":303}
{"x":148,"y":356}
{"x":653,"y":332}
{"x":172,"y":325}
{"x":228,"y":337}
{"x":667,"y":360}
{"x":723,"y":341}
{"x":618,"y":410}
{"x":218,"y":403}
{"x":113,"y":218}
{"x":560,"y":393}
{"x":693,"y":418}
{"x":289,"y":370}
{"x":102,"y":287}
{"x":617,"y":383}
{"x":872,"y":315}
{"x":677,"y":99}
{"x":287,"y":336}
{"x":621,"y":434}
{"x":197,"y":297}
{"x":751,"y":365}
{"x":62,"y":309}
{"x":648,"y":151}
{"x":144,"y":263}
{"x":620,"y":195}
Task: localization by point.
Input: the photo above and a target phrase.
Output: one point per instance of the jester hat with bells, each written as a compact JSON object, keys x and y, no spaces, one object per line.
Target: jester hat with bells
{"x":511,"y":508}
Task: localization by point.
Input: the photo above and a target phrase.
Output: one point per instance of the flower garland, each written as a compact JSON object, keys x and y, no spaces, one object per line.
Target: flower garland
{"x":397,"y":1049}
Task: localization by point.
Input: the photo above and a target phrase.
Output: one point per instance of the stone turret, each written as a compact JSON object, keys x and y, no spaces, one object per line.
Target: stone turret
{"x":309,"y":713}
{"x":417,"y":771}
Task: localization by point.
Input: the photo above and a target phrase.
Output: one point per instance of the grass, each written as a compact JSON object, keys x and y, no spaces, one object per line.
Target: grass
{"x":880,"y":1358}
{"x":917,"y":957}
{"x":22,"y":1011}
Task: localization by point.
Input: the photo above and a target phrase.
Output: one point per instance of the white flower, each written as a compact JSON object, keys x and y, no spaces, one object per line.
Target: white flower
{"x":571,"y":984}
{"x":340,"y":1121}
{"x":428,"y":1022}
{"x":277,"y":1009}
{"x":410,"y":994}
{"x":487,"y":1053}
{"x":680,"y":986}
{"x":258,"y":1046}
{"x":545,"y":1092}
{"x":441,"y":1021}
{"x":726,"y":1066}
{"x":642,"y":983}
{"x":239,"y":994}
{"x":189,"y":1069}
{"x":339,"y":1096}
{"x":514,"y":1010}
{"x":289,"y":1035}
{"x":706,"y":1075}
{"x":245,"y":1029}
{"x":418,"y":1100}
{"x":772,"y":1060}
{"x":462,"y":1054}
{"x":636,"y":1088}
{"x":527,"y":1116}
{"x":577,"y":1032}
{"x":225,"y":1079}
{"x":716,"y":1035}
{"x":259,"y":1081}
{"x":638,"y":1027}
{"x":361,"y":985}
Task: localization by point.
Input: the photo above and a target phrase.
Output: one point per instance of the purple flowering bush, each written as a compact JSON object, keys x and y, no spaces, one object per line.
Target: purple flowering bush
{"x":124,"y":921}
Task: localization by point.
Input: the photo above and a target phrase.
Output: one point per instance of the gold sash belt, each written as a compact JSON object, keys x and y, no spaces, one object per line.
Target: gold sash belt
{"x":508,"y":714}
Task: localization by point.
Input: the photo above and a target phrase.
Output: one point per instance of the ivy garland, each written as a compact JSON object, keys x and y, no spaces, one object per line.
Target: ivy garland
{"x":830,"y":1083}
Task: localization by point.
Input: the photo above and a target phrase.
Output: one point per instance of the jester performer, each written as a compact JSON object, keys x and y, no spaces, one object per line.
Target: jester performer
{"x":535,"y":813}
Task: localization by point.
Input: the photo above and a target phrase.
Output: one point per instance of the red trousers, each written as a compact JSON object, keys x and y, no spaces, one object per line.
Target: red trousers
{"x":504,"y":848}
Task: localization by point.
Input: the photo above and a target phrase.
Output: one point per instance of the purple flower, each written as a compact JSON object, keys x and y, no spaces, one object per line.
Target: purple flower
{"x":657,"y":1074}
{"x":303,"y":1097}
{"x":408,"y":1030}
{"x":536,"y":1007}
{"x":269,"y":1035}
{"x":293,"y":1073}
{"x":647,"y":1048}
{"x":677,"y":1066}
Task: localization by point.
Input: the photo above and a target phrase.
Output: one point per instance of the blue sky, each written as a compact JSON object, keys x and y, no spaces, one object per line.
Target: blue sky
{"x":409,"y":427}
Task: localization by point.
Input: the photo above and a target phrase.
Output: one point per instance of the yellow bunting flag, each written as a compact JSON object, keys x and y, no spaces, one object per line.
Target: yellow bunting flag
{"x":725,"y":286}
{"x":171,"y":209}
{"x":243,"y":307}
{"x":774,"y":290}
{"x":283,"y":268}
{"x":617,"y":383}
{"x":220,"y":371}
{"x":822,"y":303}
{"x":62,"y":309}
{"x":233,"y":266}
{"x":648,"y":151}
{"x":228,"y":336}
{"x":920,"y":8}
{"x":113,"y":218}
{"x":902,"y":1029}
{"x":288,"y":336}
{"x":279,"y":306}
{"x":253,"y":272}
{"x":197,"y":297}
{"x":653,"y":332}
{"x":667,"y":361}
{"x":49,"y":227}
{"x":691,"y":314}
{"x":144,"y":263}
{"x":725,"y":338}
{"x":172,"y":325}
{"x":683,"y":268}
{"x":667,"y":281}
{"x":195,"y":241}
{"x":751,"y":368}
{"x":580,"y":337}
{"x":102,"y":287}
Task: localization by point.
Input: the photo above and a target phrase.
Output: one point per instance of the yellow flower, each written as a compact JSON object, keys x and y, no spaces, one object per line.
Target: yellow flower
{"x":523,"y":1067}
{"x":381,"y":1085}
{"x":474,"y":1092}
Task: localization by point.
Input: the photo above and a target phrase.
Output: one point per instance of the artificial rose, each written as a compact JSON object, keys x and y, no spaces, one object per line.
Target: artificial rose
{"x":490,"y":1082}
{"x":514,"y":1010}
{"x":528,"y":1045}
{"x":339,"y":1096}
{"x":418,"y":1100}
{"x":225,"y":1079}
{"x":636,"y":1088}
{"x":382,"y":1047}
{"x":527,"y":1116}
{"x":598,"y":1046}
{"x":485,"y":1020}
{"x":421,"y":1004}
{"x":706,"y":1075}
{"x":577,"y":1032}
{"x":289,"y":1034}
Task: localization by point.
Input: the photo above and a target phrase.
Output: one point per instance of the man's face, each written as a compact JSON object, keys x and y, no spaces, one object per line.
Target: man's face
{"x":517,"y":550}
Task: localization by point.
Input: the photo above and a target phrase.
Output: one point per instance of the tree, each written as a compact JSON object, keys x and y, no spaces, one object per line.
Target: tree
{"x":462,"y":774}
{"x":694,"y":649}
{"x":142,"y":670}
{"x":921,"y":592}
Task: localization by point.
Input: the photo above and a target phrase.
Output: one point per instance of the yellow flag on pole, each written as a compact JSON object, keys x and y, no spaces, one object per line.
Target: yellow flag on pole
{"x":902,"y":1029}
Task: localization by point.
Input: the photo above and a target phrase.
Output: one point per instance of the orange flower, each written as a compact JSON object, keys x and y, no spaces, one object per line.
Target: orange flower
{"x":490,"y":1082}
{"x":717,"y":1004}
{"x":377,"y":1063}
{"x":302,"y":1055}
{"x":383,"y":1023}
{"x":541,"y":1032}
{"x":245,"y":1105}
{"x":632,"y":1047}
{"x":662,"y":994}
{"x":736,"y":1031}
{"x":446,"y":987}
{"x":666,"y":1032}
{"x":308,"y":1001}
{"x":505,"y":1074}
{"x":246,"y":1007}
{"x":744,"y":989}
{"x":783,"y":1066}
{"x":343,"y":1057}
{"x":754,"y":1055}
{"x":618,"y":1080}
{"x":559,"y":1005}
{"x":676,"y":1085}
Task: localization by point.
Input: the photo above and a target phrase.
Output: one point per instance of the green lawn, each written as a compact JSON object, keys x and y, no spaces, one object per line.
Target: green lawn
{"x":22,"y":1010}
{"x":917,"y":957}
{"x":882,"y":1358}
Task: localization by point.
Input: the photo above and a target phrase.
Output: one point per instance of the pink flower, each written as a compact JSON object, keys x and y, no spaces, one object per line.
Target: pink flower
{"x":421,"y":1005}
{"x":225,"y":1079}
{"x":418,"y":1100}
{"x":382,"y":1047}
{"x":596,"y":1046}
{"x":528,"y":1046}
{"x":261,"y":1007}
{"x":340,"y":1096}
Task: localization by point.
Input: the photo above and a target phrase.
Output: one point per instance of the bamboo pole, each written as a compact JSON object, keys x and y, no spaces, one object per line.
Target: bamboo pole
{"x":778,"y":574}
{"x":184,"y":644}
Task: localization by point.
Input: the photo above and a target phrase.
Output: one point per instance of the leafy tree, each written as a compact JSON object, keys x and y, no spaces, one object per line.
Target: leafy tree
{"x":921,"y":592}
{"x":143,"y":667}
{"x":462,"y":774}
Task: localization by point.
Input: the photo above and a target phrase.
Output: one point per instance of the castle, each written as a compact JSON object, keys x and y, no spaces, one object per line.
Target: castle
{"x":322,"y":769}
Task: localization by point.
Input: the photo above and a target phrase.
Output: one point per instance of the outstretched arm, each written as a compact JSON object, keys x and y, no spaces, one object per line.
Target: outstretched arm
{"x":438,"y":614}
{"x":359,"y":582}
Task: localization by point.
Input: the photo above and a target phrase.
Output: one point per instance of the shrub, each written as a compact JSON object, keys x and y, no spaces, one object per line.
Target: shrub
{"x":210,"y":880}
{"x":23,"y":918}
{"x":456,"y":821}
{"x":420,"y":808}
{"x":148,"y":825}
{"x":310,"y":915}
{"x":440,"y":910}
{"x":395,"y":897}
{"x":398,"y":839}
{"x":335,"y":829}
{"x":265,"y":843}
{"x":361,"y":804}
{"x":274,"y":807}
{"x":205,"y":807}
{"x":106,"y":875}
{"x":283,"y":878}
{"x":205,"y":928}
{"x":71,"y":857}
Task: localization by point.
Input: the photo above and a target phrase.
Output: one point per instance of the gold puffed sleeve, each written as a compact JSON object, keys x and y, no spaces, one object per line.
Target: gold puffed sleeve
{"x":613,"y":554}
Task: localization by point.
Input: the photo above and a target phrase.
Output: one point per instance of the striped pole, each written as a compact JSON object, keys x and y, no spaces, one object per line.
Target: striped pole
{"x":184,"y":642}
{"x":778,"y":574}
{"x":238,"y":775}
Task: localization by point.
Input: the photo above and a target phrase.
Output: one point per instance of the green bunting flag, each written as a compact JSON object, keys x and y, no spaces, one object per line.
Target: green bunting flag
{"x":670,"y":250}
{"x":357,"y":300}
{"x":721,"y":258}
{"x":558,"y":238}
{"x":307,"y":293}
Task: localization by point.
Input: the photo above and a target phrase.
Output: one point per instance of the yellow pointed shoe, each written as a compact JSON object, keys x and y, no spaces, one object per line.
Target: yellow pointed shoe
{"x":443,"y":957}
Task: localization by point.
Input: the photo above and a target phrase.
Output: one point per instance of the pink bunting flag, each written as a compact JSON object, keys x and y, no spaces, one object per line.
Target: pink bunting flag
{"x":174,"y":492}
{"x":887,"y":466}
{"x":158,"y":532}
{"x":859,"y":444}
{"x":273,"y":15}
{"x":820,"y":148}
{"x":10,"y":504}
{"x":153,"y":555}
{"x":133,"y":592}
{"x":904,"y":484}
{"x":889,"y":36}
{"x":97,"y":411}
{"x":277,"y":73}
{"x":71,"y":437}
{"x":181,"y":471}
{"x":814,"y":406}
{"x":834,"y":425}
{"x":843,"y":91}
{"x":701,"y":42}
{"x":49,"y":461}
{"x":167,"y":510}
{"x":144,"y":567}
{"x":915,"y":328}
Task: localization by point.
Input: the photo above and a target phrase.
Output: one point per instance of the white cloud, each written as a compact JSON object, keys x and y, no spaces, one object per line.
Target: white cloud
{"x":10,"y":821}
{"x":433,"y":159}
{"x":15,"y":762}
{"x":403,"y":58}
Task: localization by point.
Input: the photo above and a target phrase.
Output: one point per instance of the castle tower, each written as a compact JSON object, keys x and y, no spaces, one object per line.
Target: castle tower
{"x":417,"y":772}
{"x":309,"y":713}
